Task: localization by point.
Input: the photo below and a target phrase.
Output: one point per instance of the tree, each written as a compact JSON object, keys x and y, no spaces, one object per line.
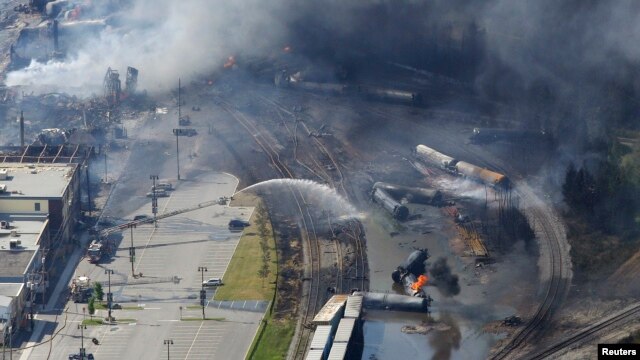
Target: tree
{"x":92,"y":306}
{"x":264,"y":271}
{"x":98,"y":291}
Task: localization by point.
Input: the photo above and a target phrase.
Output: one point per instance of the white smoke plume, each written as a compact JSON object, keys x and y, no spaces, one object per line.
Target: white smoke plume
{"x":165,"y":40}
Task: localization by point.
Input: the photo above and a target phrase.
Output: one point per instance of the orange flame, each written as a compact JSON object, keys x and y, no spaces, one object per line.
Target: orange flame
{"x":422,"y":281}
{"x":230,"y":62}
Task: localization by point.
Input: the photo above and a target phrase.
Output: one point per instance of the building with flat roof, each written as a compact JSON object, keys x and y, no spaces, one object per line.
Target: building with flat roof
{"x":39,"y":210}
{"x":22,"y":274}
{"x":43,"y":189}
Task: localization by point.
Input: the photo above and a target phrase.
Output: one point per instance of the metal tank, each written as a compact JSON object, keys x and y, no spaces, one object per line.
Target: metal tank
{"x":395,"y":302}
{"x":426,"y":196}
{"x":482,"y":175}
{"x":399,"y":211}
{"x":433,"y":157}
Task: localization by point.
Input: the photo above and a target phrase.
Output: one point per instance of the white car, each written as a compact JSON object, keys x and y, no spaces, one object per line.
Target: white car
{"x":212,"y":282}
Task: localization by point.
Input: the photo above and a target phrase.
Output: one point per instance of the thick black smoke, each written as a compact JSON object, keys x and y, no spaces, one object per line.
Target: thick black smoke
{"x":569,"y":66}
{"x":443,"y":279}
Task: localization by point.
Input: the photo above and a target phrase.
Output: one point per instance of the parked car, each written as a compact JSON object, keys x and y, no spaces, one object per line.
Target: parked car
{"x":237,"y":224}
{"x":212,"y":282}
{"x":78,"y":357}
{"x":140,"y":217}
{"x":159,"y":193}
{"x":167,"y":186}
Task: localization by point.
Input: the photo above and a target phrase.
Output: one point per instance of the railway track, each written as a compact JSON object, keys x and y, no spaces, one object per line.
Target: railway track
{"x":558,"y":281}
{"x":354,"y":233}
{"x":618,"y":319}
{"x":308,"y":232}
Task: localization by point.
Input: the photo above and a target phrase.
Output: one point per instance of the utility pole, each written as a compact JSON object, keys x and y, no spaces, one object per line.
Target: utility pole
{"x":10,"y":338}
{"x":132,"y":250}
{"x":203,"y":292}
{"x":82,"y":350}
{"x":109,"y":294}
{"x":86,"y":168}
{"x":154,"y":198}
{"x":177,"y":133}
{"x":4,"y":337}
{"x":168,"y":342}
{"x":42,"y":277}
{"x":105,"y":167}
{"x":179,"y":103}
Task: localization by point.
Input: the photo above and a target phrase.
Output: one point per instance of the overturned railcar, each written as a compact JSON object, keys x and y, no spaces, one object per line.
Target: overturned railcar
{"x":412,"y":194}
{"x":399,"y":211}
{"x":284,"y":79}
{"x":395,"y":302}
{"x":434,"y":157}
{"x":391,"y":95}
{"x":461,"y":168}
{"x":489,"y":135}
{"x":482,"y":175}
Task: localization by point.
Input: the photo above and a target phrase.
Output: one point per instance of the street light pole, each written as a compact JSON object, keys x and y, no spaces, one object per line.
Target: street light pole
{"x":202,"y":270}
{"x":168,"y":342}
{"x":177,"y":134}
{"x":105,"y":167}
{"x":109,"y":294}
{"x":154,"y":198}
{"x":132,"y":251}
{"x":82,"y":351}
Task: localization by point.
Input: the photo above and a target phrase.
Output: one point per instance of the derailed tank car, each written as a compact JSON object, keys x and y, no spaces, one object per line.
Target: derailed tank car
{"x":391,"y":95}
{"x":412,"y":194}
{"x":399,"y":211}
{"x":489,"y":135}
{"x":434,"y":157}
{"x":461,"y":168}
{"x":282,"y":79}
{"x":482,"y":175}
{"x":395,"y":302}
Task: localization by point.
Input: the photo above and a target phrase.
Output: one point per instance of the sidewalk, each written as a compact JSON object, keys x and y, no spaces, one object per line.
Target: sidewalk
{"x":61,"y":286}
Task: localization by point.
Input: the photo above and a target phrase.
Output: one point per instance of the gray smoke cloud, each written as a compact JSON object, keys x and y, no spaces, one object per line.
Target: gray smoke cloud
{"x":569,"y":66}
{"x":165,"y":39}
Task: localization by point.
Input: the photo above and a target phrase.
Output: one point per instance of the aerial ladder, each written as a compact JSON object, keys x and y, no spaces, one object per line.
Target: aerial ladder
{"x":101,"y":246}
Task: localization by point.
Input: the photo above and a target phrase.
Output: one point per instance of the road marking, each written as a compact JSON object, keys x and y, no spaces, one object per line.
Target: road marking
{"x":169,"y":320}
{"x":194,"y":340}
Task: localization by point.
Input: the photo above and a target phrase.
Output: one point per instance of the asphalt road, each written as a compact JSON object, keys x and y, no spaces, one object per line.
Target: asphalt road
{"x":177,"y":247}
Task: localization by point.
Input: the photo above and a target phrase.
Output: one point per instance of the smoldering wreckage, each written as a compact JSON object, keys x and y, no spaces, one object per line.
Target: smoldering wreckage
{"x":293,"y":85}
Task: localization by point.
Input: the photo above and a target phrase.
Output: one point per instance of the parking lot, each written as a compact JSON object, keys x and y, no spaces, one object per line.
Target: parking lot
{"x":175,"y":249}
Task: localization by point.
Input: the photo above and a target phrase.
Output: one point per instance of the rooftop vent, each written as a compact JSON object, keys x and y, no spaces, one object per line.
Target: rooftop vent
{"x":3,"y":188}
{"x":14,"y":244}
{"x":3,"y":174}
{"x":4,"y":224}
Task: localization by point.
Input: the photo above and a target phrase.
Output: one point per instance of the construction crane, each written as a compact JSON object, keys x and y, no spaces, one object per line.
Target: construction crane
{"x":100,"y":246}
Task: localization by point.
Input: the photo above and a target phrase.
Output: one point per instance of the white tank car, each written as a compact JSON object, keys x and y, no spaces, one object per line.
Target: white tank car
{"x":433,"y":157}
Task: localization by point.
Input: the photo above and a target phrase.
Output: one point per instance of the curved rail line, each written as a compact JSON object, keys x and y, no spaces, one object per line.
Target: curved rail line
{"x":359,"y":253}
{"x":308,"y":227}
{"x":557,"y":284}
{"x":618,"y":319}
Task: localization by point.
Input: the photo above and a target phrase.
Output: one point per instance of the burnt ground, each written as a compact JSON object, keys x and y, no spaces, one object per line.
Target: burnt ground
{"x":360,"y":142}
{"x":370,"y":142}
